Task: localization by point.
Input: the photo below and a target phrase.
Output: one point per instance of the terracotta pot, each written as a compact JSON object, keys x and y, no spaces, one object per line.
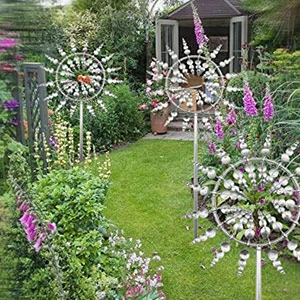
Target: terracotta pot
{"x":158,"y":121}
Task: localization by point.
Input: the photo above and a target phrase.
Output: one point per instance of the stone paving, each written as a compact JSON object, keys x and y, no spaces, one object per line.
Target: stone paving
{"x":172,"y":135}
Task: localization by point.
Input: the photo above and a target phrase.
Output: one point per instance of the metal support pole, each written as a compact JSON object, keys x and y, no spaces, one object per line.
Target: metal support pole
{"x":81,"y":131}
{"x":195,"y":179}
{"x":258,"y":273}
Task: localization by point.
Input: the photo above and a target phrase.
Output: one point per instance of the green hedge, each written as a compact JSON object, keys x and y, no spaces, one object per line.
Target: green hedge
{"x":122,"y":122}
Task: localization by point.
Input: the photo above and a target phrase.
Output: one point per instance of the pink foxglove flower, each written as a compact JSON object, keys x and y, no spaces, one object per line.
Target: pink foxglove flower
{"x":38,"y":243}
{"x":23,"y":207}
{"x":268,"y":106}
{"x":211,"y":147}
{"x":24,"y":218}
{"x":249,"y":102}
{"x":231,"y":118}
{"x":51,"y":226}
{"x":198,"y":28}
{"x":8,"y":43}
{"x":219,"y":130}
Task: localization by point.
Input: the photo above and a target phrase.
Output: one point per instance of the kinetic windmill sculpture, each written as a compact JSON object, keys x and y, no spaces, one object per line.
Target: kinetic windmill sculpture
{"x":81,"y":77}
{"x":195,"y":85}
{"x":254,"y":200}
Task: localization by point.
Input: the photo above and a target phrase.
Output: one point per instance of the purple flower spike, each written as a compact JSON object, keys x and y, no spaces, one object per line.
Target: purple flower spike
{"x":249,"y":102}
{"x":219,"y":130}
{"x":257,"y":232}
{"x":268,"y":107}
{"x":211,"y":147}
{"x":262,"y":201}
{"x":231,"y":118}
{"x":14,"y":122}
{"x":38,"y":244}
{"x":8,"y":43}
{"x":51,"y":226}
{"x":11,"y":104}
{"x":23,"y":207}
{"x":24,"y":218}
{"x":199,"y":31}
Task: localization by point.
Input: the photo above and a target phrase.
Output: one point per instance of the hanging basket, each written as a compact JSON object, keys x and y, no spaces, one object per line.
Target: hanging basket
{"x":158,"y":121}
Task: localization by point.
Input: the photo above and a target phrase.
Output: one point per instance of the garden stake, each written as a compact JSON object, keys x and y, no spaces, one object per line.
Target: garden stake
{"x":258,"y":273}
{"x":255,"y":201}
{"x":195,"y":179}
{"x":186,"y":90}
{"x":80,"y":76}
{"x":81,"y":131}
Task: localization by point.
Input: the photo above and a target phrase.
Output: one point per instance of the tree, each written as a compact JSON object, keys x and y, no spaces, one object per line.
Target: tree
{"x":275,"y":21}
{"x":174,"y":2}
{"x":96,"y":6}
{"x":118,"y":24}
{"x":27,"y":19}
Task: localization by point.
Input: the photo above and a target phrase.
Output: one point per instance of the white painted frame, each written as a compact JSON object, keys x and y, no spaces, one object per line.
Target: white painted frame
{"x":244,"y":35}
{"x":175,"y":36}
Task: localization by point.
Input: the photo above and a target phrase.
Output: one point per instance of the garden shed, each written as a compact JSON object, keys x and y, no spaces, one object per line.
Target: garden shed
{"x":224,"y":23}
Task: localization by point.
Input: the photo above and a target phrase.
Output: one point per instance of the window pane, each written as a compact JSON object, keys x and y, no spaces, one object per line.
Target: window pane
{"x":167,"y":32}
{"x":237,"y":45}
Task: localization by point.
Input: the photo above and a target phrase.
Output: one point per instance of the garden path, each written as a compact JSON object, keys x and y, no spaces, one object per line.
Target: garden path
{"x":172,"y":135}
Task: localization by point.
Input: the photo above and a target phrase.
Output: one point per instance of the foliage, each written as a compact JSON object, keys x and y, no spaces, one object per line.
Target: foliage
{"x":170,"y":5}
{"x":81,"y":26}
{"x":8,"y":123}
{"x":162,"y":200}
{"x":118,"y":25}
{"x":257,"y":82}
{"x":275,"y":22}
{"x":286,"y":72}
{"x":121,"y":123}
{"x":97,"y":5}
{"x":81,"y":260}
{"x":91,"y":263}
{"x":19,"y":15}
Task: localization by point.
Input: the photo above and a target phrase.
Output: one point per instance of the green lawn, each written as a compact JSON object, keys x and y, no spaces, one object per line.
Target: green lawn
{"x":148,"y":198}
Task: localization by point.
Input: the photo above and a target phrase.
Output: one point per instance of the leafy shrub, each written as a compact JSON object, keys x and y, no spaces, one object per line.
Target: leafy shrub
{"x":83,"y":258}
{"x":284,"y":68}
{"x":121,"y":123}
{"x":257,"y":82}
{"x":8,"y":144}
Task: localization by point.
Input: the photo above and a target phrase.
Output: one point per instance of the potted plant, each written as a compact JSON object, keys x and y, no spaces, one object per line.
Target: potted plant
{"x":157,"y":100}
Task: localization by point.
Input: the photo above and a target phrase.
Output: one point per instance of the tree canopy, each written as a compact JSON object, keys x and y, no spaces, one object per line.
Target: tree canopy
{"x":276,"y":22}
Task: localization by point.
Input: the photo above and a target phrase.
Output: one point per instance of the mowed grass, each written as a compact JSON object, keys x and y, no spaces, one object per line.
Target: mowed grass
{"x":148,"y":198}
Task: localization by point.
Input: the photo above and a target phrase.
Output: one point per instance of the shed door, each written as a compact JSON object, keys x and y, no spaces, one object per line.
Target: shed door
{"x":238,"y":37}
{"x":166,"y":36}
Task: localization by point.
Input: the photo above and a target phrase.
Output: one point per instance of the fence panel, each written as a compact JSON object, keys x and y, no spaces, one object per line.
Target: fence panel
{"x":36,"y":106}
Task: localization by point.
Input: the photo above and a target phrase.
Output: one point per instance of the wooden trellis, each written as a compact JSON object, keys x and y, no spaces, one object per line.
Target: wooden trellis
{"x":36,"y":106}
{"x":17,"y":94}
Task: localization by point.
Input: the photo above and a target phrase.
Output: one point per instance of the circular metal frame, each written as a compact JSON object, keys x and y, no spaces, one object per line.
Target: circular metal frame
{"x":199,"y":58}
{"x":215,"y":207}
{"x":80,"y":97}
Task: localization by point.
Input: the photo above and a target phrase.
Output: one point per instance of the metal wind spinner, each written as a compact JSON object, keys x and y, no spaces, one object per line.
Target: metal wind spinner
{"x":195,"y":83}
{"x":81,"y":77}
{"x":255,"y":202}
